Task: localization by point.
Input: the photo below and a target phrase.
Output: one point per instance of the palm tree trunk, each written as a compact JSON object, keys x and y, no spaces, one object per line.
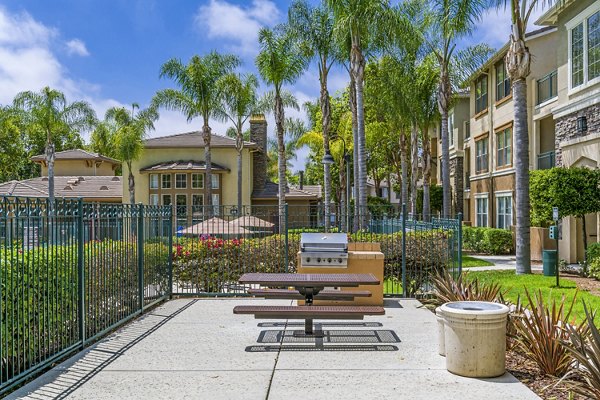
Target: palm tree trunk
{"x":206,"y":136}
{"x":239,"y":145}
{"x":426,"y":176}
{"x":403,"y":166}
{"x":444,"y":93}
{"x":131,"y":183}
{"x":414,"y":162}
{"x":281,"y":170}
{"x":362,"y":150}
{"x":343,"y":199}
{"x":354,"y":151}
{"x":326,"y":122}
{"x":50,"y":160}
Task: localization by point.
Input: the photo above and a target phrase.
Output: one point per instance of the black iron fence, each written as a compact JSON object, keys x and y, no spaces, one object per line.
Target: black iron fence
{"x":71,"y":274}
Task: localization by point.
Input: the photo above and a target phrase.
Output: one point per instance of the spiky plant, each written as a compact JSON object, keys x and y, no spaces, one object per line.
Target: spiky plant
{"x":460,"y":289}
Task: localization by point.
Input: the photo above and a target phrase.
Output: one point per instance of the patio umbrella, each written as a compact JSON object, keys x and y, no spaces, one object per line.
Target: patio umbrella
{"x":250,"y":221}
{"x":215,"y":226}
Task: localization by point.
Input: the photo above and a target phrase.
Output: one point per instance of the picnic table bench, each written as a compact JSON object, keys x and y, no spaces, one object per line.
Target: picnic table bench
{"x":307,"y":287}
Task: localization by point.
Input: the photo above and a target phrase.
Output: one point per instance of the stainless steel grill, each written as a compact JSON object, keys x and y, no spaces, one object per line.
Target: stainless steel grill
{"x":324,"y":250}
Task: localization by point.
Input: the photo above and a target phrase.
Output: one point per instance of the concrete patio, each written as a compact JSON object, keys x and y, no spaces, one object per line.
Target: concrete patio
{"x":197,"y":349}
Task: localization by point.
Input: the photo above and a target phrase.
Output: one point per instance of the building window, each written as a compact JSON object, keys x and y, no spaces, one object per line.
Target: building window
{"x":166,"y":200}
{"x":181,"y":200}
{"x":215,"y":203}
{"x":482,"y":211}
{"x":180,"y":181}
{"x":197,"y":181}
{"x":481,"y":155}
{"x":585,"y":50}
{"x":197,"y":203}
{"x":547,"y":87}
{"x":215,"y":181}
{"x":503,"y":146}
{"x":502,"y":82}
{"x":467,"y":129}
{"x":165,"y":181}
{"x":153,"y":181}
{"x":504,"y":212}
{"x":451,"y":129}
{"x":154,"y":199}
{"x":481,"y":93}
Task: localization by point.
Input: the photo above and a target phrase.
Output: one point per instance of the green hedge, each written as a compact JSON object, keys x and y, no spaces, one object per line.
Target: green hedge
{"x":487,"y":240}
{"x":593,"y":252}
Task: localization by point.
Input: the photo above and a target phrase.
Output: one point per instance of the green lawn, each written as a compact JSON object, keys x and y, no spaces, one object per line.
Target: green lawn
{"x":470,"y":262}
{"x":517,"y":283}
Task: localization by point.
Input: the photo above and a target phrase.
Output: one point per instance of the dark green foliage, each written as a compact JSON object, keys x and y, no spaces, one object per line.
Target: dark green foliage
{"x":436,"y":199}
{"x":593,"y":252}
{"x":378,"y":206}
{"x":487,"y":240}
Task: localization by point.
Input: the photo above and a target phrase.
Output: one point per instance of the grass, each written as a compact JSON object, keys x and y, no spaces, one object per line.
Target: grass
{"x":516,"y":285}
{"x":392,"y":286}
{"x":472,"y":262}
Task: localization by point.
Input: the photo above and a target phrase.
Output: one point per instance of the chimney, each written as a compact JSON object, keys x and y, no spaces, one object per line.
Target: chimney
{"x":301,"y":179}
{"x":258,"y":135}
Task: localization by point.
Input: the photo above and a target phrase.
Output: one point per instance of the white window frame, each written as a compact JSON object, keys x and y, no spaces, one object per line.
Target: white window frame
{"x":451,"y":130}
{"x":154,"y":199}
{"x":157,"y":176}
{"x":162,"y":186}
{"x":216,"y":203}
{"x":581,"y":18}
{"x":177,"y":196}
{"x":162,"y":199}
{"x":201,"y":175}
{"x":184,"y":182}
{"x":503,"y":197}
{"x":487,"y":210}
{"x":215,"y":178}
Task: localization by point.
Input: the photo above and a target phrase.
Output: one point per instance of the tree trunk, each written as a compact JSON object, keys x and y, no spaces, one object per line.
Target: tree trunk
{"x":357,"y":203}
{"x":342,"y":212}
{"x":206,"y":135}
{"x":585,"y":242}
{"x":131,"y":184}
{"x":357,"y":67}
{"x":50,"y":154}
{"x":518,"y":63}
{"x":326,"y":122}
{"x":414,"y":162}
{"x":426,"y":176}
{"x":403,"y":152}
{"x":279,"y":120}
{"x":389,"y":185}
{"x":239,"y":145}
{"x":444,"y":94}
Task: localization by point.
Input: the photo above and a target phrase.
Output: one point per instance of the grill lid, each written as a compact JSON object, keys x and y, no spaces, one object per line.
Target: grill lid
{"x":323,"y":242}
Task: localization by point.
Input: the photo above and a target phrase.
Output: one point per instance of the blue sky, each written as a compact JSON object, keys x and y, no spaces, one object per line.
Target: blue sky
{"x":109,"y":52}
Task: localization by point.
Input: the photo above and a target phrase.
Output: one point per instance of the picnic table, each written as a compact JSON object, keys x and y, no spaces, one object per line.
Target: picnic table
{"x":307,"y":287}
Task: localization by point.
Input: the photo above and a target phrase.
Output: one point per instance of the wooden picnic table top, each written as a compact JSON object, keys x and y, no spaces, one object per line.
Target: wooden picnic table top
{"x":309,"y":280}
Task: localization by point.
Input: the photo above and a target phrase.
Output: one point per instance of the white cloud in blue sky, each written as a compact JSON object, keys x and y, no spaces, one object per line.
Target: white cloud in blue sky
{"x":77,"y":47}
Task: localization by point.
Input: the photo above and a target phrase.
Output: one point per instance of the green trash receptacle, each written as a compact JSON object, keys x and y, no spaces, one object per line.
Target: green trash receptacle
{"x":549,"y":262}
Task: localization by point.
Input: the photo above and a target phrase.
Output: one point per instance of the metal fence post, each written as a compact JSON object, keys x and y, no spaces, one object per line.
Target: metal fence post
{"x":287,"y":250}
{"x":460,"y":217}
{"x":170,"y":266}
{"x":80,"y":273}
{"x":140,"y":254}
{"x":404,"y":285}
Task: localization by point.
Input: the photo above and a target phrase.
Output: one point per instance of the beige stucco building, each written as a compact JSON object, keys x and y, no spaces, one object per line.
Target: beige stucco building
{"x":78,"y":162}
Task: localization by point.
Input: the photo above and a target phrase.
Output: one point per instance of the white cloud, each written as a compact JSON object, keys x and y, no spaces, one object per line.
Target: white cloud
{"x":22,"y":30}
{"x":239,"y":25}
{"x":77,"y":47}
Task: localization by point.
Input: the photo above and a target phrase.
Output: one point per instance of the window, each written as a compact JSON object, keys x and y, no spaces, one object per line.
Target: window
{"x":547,"y":87}
{"x":482,"y":211}
{"x":154,"y":199}
{"x":197,"y":181}
{"x":215,"y":202}
{"x":180,"y":181}
{"x":153,"y":181}
{"x":481,"y":92}
{"x":215,"y":181}
{"x":181,"y":200}
{"x":467,"y":129}
{"x":504,"y":212}
{"x":167,"y":200}
{"x":197,"y":203}
{"x":584,"y":41}
{"x":503,"y":146}
{"x":502,"y":82}
{"x":481,"y":155}
{"x":451,"y":129}
{"x":166,"y":181}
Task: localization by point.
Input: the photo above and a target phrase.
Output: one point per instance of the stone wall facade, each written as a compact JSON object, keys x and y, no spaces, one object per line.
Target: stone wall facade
{"x":566,"y":128}
{"x":457,"y":182}
{"x":258,"y":135}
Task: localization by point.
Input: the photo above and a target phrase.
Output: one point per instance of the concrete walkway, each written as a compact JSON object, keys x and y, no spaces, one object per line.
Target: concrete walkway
{"x":197,"y":349}
{"x":501,"y":263}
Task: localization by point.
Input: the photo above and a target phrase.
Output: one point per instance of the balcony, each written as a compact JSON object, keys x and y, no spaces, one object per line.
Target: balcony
{"x":547,"y":88}
{"x":546,"y":160}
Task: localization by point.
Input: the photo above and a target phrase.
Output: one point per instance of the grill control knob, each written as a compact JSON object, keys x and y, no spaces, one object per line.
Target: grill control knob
{"x":307,"y":259}
{"x":340,"y":260}
{"x":319,"y":260}
{"x":329,"y":260}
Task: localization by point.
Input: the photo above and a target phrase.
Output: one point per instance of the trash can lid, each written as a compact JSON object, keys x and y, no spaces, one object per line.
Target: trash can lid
{"x":474,"y":308}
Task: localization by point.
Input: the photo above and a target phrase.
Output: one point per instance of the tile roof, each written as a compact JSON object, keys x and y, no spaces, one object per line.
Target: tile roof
{"x":214,"y":226}
{"x":183,"y":166}
{"x":250,"y":221}
{"x":76,"y":154}
{"x":108,"y":187}
{"x":192,"y":139}
{"x":271,"y":191}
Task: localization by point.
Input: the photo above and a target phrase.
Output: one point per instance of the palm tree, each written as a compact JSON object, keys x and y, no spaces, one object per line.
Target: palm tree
{"x":49,"y":111}
{"x":518,"y":63}
{"x":239,"y":102}
{"x":131,"y":127}
{"x":280,"y":61}
{"x":103,"y":138}
{"x":314,"y":26}
{"x":451,"y":21}
{"x":359,"y":20}
{"x":199,"y":94}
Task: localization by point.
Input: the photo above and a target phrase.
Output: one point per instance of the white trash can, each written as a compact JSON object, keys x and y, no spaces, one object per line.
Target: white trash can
{"x":441,"y":339}
{"x":475,"y":338}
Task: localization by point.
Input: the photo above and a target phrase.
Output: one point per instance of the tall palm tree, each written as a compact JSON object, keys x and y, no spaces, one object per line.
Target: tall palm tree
{"x":239,"y":102}
{"x":451,"y":21}
{"x":48,"y":110}
{"x":359,"y":19}
{"x":131,"y":127}
{"x":103,"y":138}
{"x":518,"y":63}
{"x":314,"y":26}
{"x":280,"y":61}
{"x":199,"y":94}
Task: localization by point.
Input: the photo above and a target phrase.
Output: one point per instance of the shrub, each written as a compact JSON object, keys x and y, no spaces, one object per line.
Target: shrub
{"x":593,"y":251}
{"x":487,"y":240}
{"x":594,"y":268}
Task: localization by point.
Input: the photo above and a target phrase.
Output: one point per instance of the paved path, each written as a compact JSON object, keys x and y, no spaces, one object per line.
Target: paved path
{"x":501,"y":263}
{"x":197,"y":349}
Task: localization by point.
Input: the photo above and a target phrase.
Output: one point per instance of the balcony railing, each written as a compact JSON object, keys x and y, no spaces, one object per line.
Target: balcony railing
{"x":547,"y":87}
{"x":546,"y":160}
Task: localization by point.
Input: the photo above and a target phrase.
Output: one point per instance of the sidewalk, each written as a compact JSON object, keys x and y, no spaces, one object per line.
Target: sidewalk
{"x":501,"y":263}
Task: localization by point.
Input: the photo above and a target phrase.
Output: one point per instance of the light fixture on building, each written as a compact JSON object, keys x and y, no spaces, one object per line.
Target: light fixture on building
{"x":581,"y":124}
{"x":328,"y":159}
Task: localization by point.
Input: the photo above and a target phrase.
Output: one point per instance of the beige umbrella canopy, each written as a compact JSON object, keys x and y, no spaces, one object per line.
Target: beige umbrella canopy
{"x":214,"y":226}
{"x":249,"y":221}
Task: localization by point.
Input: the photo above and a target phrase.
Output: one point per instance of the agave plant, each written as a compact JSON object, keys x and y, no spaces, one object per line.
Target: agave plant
{"x":449,"y":289}
{"x":541,"y":330}
{"x":585,"y":348}
{"x":516,"y":310}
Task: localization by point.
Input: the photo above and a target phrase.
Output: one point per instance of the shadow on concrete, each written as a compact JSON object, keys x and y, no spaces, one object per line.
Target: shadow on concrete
{"x":81,"y":368}
{"x":318,"y":347}
{"x":330,"y":336}
{"x":332,"y":324}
